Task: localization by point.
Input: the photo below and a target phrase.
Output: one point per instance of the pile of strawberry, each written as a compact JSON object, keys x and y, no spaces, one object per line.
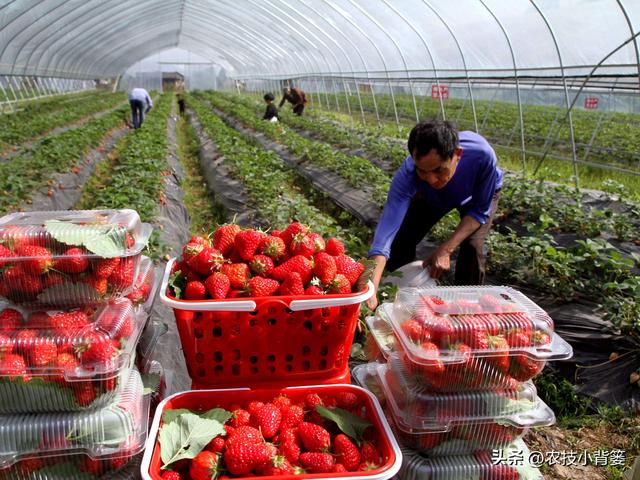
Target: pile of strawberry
{"x":238,"y":262}
{"x":282,"y":437}
{"x":41,"y":346}
{"x":473,"y":345}
{"x":30,"y":264}
{"x":143,"y":284}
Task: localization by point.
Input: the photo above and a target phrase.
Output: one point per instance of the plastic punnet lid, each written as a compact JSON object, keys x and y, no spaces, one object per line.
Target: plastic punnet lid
{"x":417,"y":409}
{"x":68,"y":345}
{"x":381,"y":330}
{"x":450,"y":323}
{"x":366,"y":375}
{"x":513,"y":463}
{"x":121,"y":426}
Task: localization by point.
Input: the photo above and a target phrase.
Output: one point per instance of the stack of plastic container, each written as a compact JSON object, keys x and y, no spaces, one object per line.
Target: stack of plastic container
{"x":456,"y":381}
{"x":71,"y":400}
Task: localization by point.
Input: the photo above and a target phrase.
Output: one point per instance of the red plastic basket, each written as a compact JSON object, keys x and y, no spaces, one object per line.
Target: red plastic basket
{"x":203,"y":400}
{"x":279,"y":341}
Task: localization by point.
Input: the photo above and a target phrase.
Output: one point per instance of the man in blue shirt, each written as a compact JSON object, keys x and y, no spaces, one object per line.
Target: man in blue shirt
{"x":445,"y":170}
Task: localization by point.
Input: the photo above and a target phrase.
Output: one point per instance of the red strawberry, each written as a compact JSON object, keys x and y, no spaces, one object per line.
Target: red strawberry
{"x":370,"y":454}
{"x":299,"y":264}
{"x":36,"y":260}
{"x":204,"y":466}
{"x":42,"y":352}
{"x":10,"y":319}
{"x":292,"y":416}
{"x":311,"y":401}
{"x":292,"y":284}
{"x":104,"y":267}
{"x":491,"y":323}
{"x":191,"y":250}
{"x":247,"y":242}
{"x":238,"y":273}
{"x":290,"y":450}
{"x":523,"y":368}
{"x":241,"y":458}
{"x":195,"y":291}
{"x":6,"y":345}
{"x":123,"y":275}
{"x":346,"y":452}
{"x":313,"y":290}
{"x":85,"y":393}
{"x":301,"y":244}
{"x":97,"y":348}
{"x":441,"y":330}
{"x":67,"y":322}
{"x":538,"y":338}
{"x":273,"y":247}
{"x":170,"y":475}
{"x":501,"y":357}
{"x":314,"y":437}
{"x":318,"y":242}
{"x":349,"y":268}
{"x":74,"y":260}
{"x":23,"y":285}
{"x":413,"y":330}
{"x":262,"y":287}
{"x":281,"y":401}
{"x":13,"y":366}
{"x":317,"y":462}
{"x":244,"y":434}
{"x":431,"y":354}
{"x":340,"y":284}
{"x":517,"y":338}
{"x":293,"y":229}
{"x":217,"y":285}
{"x":206,"y":262}
{"x":24,"y":341}
{"x":338,"y":468}
{"x":268,"y":420}
{"x":240,"y":418}
{"x":261,"y":265}
{"x":224,"y":237}
{"x":140,"y":293}
{"x":64,"y":362}
{"x":278,"y":466}
{"x":334,"y":247}
{"x":216,"y":445}
{"x":119,"y":326}
{"x":29,"y":466}
{"x":100,"y":285}
{"x":204,"y":241}
{"x":346,"y":400}
{"x":324,"y":267}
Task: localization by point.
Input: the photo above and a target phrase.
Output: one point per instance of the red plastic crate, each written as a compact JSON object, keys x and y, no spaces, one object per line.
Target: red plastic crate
{"x":203,"y":400}
{"x":279,"y":341}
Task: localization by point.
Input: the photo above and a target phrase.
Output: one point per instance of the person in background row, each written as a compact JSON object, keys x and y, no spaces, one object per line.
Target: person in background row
{"x":445,"y":170}
{"x":181,"y":103}
{"x":296,"y":97}
{"x":141,"y":103}
{"x":271,"y":113}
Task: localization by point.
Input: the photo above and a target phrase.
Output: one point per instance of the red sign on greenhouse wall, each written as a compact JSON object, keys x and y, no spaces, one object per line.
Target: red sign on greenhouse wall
{"x":443,"y":92}
{"x":591,"y":103}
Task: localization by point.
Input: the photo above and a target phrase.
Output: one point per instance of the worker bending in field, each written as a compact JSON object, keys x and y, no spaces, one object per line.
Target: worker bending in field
{"x":296,"y":97}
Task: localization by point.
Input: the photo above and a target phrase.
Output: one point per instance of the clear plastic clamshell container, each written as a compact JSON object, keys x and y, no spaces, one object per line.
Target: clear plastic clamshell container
{"x":145,"y":287}
{"x":470,"y":338}
{"x":511,"y":462}
{"x":441,"y":424}
{"x":58,"y":361}
{"x":381,"y":332}
{"x":76,"y":444}
{"x":70,"y":258}
{"x":148,"y":341}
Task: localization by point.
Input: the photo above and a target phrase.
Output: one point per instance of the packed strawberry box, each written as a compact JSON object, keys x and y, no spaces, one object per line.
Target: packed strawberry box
{"x":70,"y":258}
{"x":472,"y":338}
{"x":76,"y":444}
{"x":66,"y":360}
{"x":318,"y":431}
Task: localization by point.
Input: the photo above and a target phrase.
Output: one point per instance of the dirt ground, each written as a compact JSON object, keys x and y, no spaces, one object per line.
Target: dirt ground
{"x":601,"y":437}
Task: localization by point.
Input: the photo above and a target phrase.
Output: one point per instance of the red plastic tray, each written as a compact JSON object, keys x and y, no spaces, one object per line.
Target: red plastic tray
{"x":203,"y":400}
{"x":277,"y":341}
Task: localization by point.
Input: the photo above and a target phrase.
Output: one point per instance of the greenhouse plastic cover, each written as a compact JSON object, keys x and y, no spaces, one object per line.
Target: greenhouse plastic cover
{"x":475,"y":38}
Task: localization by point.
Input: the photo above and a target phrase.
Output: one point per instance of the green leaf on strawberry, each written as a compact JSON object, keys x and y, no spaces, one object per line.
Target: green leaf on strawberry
{"x":68,"y":293}
{"x":177,"y":283}
{"x":108,"y":241}
{"x":186,"y":437}
{"x":218,"y":414}
{"x":347,"y":422}
{"x":151,"y":382}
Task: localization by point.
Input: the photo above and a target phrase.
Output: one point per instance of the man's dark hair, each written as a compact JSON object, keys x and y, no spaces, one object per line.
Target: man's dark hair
{"x":436,"y":134}
{"x":268,"y":97}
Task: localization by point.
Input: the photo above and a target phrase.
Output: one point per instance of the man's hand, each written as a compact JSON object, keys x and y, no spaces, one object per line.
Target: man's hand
{"x":438,"y":262}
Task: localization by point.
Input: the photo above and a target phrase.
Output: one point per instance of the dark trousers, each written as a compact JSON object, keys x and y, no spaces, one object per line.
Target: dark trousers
{"x":419,"y":220}
{"x":137,"y":112}
{"x":298,"y":109}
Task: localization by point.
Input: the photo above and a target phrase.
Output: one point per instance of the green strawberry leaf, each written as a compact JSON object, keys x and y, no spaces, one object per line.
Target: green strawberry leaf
{"x":365,"y":276}
{"x":186,"y":437}
{"x":177,"y":283}
{"x":350,"y":424}
{"x":151,"y":382}
{"x":37,"y":394}
{"x":169,"y":416}
{"x":108,"y":241}
{"x":68,"y":293}
{"x":63,"y":470}
{"x":219,"y":414}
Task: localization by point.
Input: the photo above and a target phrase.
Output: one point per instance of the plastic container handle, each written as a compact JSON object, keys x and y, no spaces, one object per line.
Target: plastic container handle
{"x":333,"y":302}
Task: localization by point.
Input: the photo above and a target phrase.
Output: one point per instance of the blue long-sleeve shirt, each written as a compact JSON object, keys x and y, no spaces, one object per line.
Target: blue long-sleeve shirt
{"x":470,"y":190}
